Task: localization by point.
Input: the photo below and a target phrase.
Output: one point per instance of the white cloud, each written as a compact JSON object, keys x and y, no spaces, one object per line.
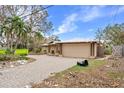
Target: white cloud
{"x":91,"y":13}
{"x":121,"y":9}
{"x":117,"y":10}
{"x":68,"y":25}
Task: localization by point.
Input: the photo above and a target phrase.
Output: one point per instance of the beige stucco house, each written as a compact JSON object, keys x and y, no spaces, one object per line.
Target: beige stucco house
{"x":82,"y":49}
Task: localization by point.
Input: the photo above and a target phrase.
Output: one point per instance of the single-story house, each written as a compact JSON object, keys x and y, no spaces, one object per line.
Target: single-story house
{"x":82,"y":49}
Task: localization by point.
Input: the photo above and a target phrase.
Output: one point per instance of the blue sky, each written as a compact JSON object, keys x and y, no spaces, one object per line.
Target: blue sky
{"x":75,"y":23}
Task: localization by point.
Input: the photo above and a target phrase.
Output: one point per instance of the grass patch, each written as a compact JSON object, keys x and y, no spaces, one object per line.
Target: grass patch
{"x":92,"y":65}
{"x":116,"y":75}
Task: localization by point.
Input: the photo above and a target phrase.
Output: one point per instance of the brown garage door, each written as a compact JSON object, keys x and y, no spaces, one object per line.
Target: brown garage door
{"x":76,"y":50}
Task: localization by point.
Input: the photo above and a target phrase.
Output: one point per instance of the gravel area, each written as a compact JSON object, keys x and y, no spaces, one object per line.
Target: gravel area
{"x":25,"y":75}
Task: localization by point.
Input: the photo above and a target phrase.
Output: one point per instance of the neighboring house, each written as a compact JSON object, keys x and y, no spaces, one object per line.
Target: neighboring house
{"x":85,"y":49}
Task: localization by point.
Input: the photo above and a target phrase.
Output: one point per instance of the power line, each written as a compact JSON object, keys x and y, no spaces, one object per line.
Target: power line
{"x":32,"y":12}
{"x":37,"y":11}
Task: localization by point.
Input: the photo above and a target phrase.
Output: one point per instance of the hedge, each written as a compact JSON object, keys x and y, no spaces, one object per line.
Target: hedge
{"x":2,"y":52}
{"x":21,"y":52}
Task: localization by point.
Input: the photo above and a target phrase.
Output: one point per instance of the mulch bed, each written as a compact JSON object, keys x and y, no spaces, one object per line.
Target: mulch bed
{"x":96,"y":78}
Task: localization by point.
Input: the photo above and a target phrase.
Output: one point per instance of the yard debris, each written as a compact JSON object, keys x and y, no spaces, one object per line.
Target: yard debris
{"x":72,"y":74}
{"x":11,"y":66}
{"x":107,"y":66}
{"x":0,"y":67}
{"x":27,"y":86}
{"x":22,"y":62}
{"x":55,"y":85}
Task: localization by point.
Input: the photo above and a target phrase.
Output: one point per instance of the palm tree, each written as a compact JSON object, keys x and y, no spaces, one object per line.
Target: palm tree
{"x":15,"y":31}
{"x":22,"y":31}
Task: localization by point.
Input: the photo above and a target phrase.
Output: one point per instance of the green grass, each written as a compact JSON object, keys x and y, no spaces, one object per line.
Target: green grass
{"x":92,"y":65}
{"x":21,"y":52}
{"x":2,"y":52}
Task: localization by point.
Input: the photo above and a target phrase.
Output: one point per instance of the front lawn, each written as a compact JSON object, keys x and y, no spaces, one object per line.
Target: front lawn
{"x":93,"y":64}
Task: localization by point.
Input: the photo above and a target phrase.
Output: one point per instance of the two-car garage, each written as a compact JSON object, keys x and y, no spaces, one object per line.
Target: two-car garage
{"x":78,"y":50}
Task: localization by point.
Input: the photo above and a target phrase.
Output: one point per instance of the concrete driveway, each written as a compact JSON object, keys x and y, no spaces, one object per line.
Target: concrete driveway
{"x":34,"y":72}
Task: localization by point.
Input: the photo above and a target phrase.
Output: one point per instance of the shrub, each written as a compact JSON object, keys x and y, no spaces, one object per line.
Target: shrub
{"x":6,"y":51}
{"x":2,"y":57}
{"x":23,"y":58}
{"x":2,"y":52}
{"x":9,"y":51}
{"x":9,"y":57}
{"x":21,"y":52}
{"x":108,"y":52}
{"x":38,"y":50}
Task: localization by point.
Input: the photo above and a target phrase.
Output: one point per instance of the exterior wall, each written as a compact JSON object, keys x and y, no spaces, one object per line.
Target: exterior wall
{"x":52,"y":49}
{"x":58,"y":49}
{"x":76,"y":50}
{"x":100,"y":51}
{"x":95,"y":50}
{"x":44,"y":49}
{"x":55,"y":49}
